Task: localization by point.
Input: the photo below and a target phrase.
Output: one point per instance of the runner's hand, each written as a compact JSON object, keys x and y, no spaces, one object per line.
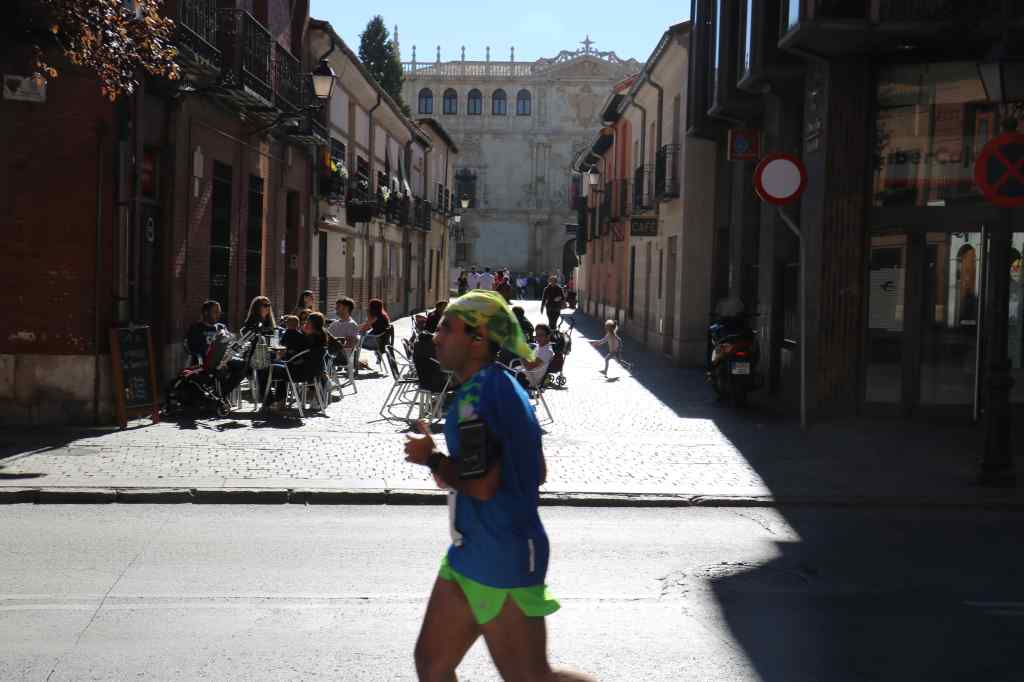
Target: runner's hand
{"x":419,"y":447}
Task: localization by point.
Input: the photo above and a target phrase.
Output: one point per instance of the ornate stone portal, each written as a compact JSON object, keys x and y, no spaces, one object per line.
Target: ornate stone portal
{"x":520,"y":151}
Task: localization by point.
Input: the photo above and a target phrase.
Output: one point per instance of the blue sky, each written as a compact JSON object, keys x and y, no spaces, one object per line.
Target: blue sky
{"x":537,"y":28}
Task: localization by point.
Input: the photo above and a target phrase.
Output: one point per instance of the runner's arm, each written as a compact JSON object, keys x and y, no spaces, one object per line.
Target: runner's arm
{"x":483,"y":488}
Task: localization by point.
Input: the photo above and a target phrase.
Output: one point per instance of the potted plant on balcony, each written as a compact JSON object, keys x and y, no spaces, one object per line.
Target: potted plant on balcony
{"x":360,"y":207}
{"x":335,"y":180}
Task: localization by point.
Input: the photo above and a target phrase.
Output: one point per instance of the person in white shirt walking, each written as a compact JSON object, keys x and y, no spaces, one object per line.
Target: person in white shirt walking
{"x":614,"y":342}
{"x":473,"y":280}
{"x":487,"y":280}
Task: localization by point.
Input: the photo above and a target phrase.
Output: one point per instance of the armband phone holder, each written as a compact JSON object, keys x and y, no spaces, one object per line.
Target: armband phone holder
{"x":475,"y":449}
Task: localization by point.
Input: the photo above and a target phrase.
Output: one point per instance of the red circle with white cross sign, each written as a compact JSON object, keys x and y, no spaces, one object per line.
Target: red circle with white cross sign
{"x":780,"y":178}
{"x":999,"y":170}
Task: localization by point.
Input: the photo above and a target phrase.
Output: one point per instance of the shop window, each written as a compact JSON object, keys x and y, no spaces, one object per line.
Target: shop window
{"x":474,"y":103}
{"x":426,"y":101}
{"x":523,"y":103}
{"x":451,"y":102}
{"x":933,"y":120}
{"x":499,"y":103}
{"x":746,"y":38}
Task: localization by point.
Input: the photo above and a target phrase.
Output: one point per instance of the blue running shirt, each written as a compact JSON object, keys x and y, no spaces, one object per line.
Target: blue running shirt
{"x":503,"y":541}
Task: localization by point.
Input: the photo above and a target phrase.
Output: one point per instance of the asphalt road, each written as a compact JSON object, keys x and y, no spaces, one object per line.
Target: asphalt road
{"x":291,"y":592}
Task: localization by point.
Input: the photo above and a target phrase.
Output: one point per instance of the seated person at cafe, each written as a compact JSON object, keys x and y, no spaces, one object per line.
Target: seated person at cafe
{"x":260,"y":319}
{"x":428,"y":369}
{"x":435,"y":315}
{"x":293,"y":341}
{"x":532,"y":374}
{"x":202,"y":333}
{"x":309,"y":366}
{"x":345,"y":328}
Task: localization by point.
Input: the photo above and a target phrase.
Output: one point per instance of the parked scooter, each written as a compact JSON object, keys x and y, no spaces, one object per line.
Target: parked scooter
{"x":733,"y":357}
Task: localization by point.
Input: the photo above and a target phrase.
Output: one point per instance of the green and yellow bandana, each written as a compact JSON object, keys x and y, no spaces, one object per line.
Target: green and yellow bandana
{"x":487,"y":309}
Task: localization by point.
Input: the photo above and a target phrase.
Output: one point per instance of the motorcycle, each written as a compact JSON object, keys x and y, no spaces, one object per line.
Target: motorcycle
{"x":732,"y":364}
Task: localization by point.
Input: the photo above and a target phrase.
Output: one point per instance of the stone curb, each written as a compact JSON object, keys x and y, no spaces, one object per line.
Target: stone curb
{"x":407,"y":497}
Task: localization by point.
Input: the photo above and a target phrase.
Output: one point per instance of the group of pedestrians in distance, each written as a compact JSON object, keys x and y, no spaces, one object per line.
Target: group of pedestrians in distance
{"x":512,"y":285}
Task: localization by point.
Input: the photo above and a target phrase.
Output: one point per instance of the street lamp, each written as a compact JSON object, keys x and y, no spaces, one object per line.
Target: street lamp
{"x":323,"y":81}
{"x":465,"y":202}
{"x":593,"y":179}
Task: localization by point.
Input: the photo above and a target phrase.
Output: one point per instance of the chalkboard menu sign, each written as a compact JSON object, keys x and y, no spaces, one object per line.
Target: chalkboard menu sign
{"x":135,"y":390}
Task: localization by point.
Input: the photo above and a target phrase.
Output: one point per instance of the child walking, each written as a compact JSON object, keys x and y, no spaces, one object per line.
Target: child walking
{"x":614,"y":342}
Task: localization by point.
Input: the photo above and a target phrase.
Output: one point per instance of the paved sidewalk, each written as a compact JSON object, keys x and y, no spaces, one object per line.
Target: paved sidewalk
{"x":654,"y":435}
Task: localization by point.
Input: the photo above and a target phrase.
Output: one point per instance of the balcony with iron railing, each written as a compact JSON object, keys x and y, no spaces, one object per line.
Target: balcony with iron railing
{"x":247,"y":47}
{"x":643,"y":189}
{"x":196,"y":39}
{"x":666,"y":173}
{"x":288,"y":91}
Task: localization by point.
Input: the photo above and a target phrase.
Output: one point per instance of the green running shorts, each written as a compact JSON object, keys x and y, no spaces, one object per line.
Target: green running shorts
{"x":535,"y":601}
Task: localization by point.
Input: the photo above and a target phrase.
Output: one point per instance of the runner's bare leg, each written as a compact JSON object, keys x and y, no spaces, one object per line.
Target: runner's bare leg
{"x":448,"y":631}
{"x":519,"y":648}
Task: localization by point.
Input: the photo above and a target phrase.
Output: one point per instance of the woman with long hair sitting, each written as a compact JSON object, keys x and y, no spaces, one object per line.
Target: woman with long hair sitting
{"x":378,"y":334}
{"x":260,"y":318}
{"x":307,"y":301}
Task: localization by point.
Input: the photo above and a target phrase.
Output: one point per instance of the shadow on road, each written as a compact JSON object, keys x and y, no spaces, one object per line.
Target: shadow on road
{"x":826,"y":608}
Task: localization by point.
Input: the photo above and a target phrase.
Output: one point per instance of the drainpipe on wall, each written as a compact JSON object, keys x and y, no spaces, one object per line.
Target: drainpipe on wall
{"x":406,"y":240}
{"x":366,"y":247}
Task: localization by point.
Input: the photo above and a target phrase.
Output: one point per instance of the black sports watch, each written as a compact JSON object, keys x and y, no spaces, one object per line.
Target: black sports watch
{"x":435,"y":459}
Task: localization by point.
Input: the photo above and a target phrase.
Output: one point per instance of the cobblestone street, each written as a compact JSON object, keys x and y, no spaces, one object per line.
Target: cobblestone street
{"x":654,"y":431}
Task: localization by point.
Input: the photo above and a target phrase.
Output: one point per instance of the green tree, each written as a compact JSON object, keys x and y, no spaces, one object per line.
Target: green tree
{"x":112,"y":39}
{"x":379,"y":55}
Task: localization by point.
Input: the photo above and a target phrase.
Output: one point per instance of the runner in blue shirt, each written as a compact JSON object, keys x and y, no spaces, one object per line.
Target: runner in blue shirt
{"x":491,"y":581}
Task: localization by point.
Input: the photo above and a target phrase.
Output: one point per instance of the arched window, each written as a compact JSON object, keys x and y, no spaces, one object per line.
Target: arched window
{"x":475,"y":103}
{"x":499,"y":103}
{"x":451,"y":102}
{"x":426,"y":101}
{"x":523,"y":103}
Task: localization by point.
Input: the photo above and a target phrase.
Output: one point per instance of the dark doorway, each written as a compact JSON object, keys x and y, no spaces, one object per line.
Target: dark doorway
{"x":291,"y":276}
{"x":321,"y":269}
{"x":632,"y":280}
{"x":220,"y":237}
{"x":254,"y":240}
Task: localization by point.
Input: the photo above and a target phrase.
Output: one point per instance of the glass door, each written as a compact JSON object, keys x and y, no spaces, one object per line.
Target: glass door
{"x":951,"y":300}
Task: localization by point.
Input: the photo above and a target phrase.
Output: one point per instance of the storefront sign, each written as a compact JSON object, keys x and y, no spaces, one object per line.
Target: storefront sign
{"x":780,"y":179}
{"x":999,"y":170}
{"x":643,"y":227}
{"x":744,"y":145}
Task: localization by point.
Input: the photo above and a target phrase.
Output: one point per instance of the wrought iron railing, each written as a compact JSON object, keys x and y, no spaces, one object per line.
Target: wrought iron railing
{"x":287,"y":79}
{"x":197,"y":29}
{"x":247,"y":48}
{"x":643,"y":185}
{"x":666,"y":174}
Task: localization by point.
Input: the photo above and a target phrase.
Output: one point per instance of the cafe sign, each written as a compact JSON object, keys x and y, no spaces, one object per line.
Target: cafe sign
{"x":643,"y":227}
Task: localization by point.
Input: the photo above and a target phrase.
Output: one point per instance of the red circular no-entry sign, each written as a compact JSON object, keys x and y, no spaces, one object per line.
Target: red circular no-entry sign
{"x":999,"y":170}
{"x":780,"y":178}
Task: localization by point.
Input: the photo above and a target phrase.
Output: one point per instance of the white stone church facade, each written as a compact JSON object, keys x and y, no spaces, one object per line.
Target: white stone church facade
{"x":518,"y":126}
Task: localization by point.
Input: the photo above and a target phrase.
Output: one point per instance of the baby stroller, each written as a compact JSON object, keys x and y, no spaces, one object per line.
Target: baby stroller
{"x":199,"y":388}
{"x":561,"y":344}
